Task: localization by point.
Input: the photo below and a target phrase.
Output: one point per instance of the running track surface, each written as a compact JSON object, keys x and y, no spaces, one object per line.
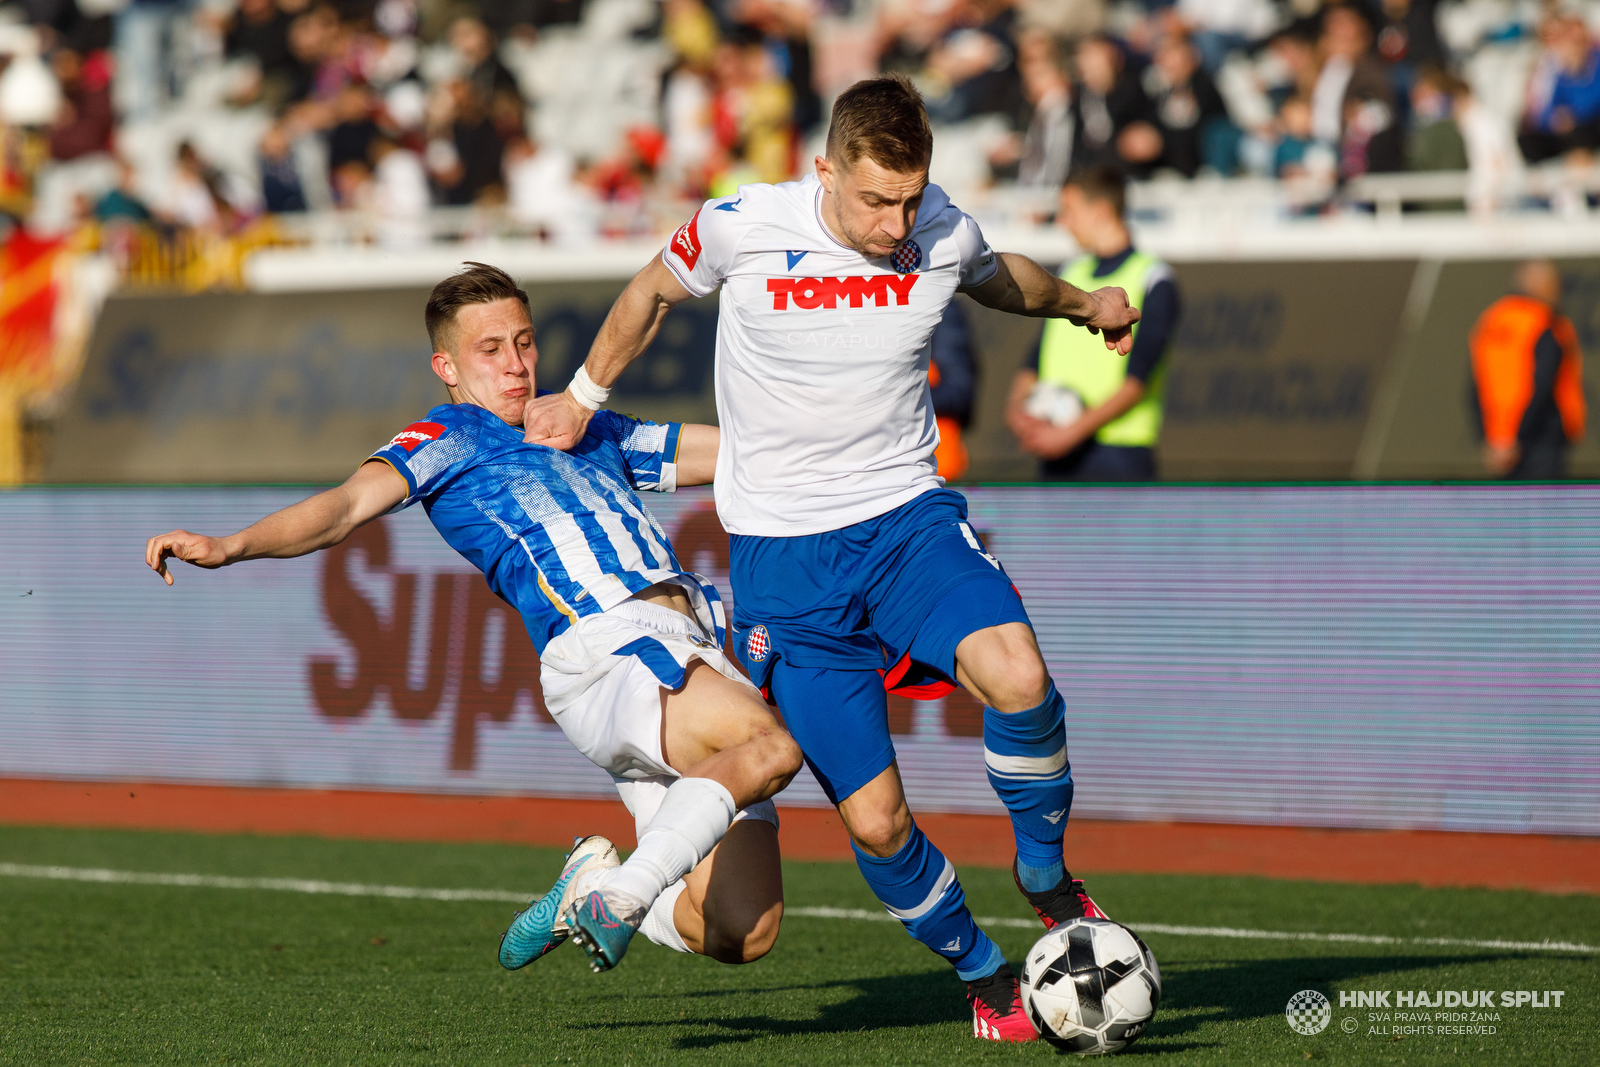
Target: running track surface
{"x":1551,"y":864}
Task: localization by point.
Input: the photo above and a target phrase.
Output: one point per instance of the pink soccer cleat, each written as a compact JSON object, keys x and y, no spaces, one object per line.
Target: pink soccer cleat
{"x":997,"y":1013}
{"x":1066,"y":901}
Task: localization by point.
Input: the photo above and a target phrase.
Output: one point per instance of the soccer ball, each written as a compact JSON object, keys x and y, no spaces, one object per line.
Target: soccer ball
{"x":1053,"y":403}
{"x":1090,"y":986}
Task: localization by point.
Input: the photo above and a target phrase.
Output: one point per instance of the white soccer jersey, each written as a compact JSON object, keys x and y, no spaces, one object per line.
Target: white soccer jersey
{"x":822,"y":354}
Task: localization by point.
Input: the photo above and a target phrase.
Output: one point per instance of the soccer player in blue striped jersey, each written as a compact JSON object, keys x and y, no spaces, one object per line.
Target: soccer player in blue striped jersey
{"x":630,"y":643}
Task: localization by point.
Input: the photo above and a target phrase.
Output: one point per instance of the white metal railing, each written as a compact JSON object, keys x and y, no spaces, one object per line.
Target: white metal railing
{"x":1533,"y":191}
{"x":1564,"y":187}
{"x":653,"y":217}
{"x":1210,"y":202}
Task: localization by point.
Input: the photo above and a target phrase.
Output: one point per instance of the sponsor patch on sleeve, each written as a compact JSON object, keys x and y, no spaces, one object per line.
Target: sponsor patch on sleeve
{"x":415,"y":434}
{"x":686,"y":242}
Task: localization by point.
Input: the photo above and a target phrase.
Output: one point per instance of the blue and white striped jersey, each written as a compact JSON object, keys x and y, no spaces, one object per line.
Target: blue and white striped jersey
{"x":558,"y":535}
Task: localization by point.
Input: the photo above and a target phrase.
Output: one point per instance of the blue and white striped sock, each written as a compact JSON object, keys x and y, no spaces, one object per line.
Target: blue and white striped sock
{"x":918,"y":886}
{"x":1026,"y":754}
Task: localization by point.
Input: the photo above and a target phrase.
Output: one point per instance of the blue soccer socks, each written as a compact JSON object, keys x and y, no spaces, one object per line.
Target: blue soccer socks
{"x":1038,"y":879}
{"x":918,"y":886}
{"x":1026,"y":755}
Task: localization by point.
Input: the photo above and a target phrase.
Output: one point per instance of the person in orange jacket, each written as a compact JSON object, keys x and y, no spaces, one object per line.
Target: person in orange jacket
{"x":1527,"y":372}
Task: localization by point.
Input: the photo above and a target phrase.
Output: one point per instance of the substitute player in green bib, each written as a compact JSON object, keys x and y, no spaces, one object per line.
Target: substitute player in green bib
{"x":1090,"y":413}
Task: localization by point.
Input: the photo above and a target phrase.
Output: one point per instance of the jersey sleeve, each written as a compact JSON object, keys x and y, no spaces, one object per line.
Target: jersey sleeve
{"x":649,"y":449}
{"x":1158,"y":320}
{"x":700,"y":253}
{"x":425,"y":454}
{"x":978,"y":261}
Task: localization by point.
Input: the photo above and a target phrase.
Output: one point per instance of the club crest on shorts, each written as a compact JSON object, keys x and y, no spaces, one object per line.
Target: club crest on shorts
{"x":906,"y":258}
{"x":757,"y":645}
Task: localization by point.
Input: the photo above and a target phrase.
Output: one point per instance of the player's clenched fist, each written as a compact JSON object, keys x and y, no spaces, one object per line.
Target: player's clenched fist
{"x":1111,"y":317}
{"x":556,"y":420}
{"x":193,"y":548}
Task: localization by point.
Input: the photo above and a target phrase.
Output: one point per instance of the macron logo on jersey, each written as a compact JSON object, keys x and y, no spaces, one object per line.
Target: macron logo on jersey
{"x":418,"y":432}
{"x":686,"y":242}
{"x":809,"y":293}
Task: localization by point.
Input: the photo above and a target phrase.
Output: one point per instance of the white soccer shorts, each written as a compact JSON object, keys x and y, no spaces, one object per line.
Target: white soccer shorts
{"x":602,"y":683}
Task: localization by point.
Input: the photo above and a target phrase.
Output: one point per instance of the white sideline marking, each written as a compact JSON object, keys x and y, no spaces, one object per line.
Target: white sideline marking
{"x":288,"y":885}
{"x":404,"y":892}
{"x":1363,"y":939}
{"x":1226,"y":931}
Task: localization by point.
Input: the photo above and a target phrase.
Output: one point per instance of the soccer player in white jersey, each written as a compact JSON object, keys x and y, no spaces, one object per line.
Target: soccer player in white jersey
{"x":853,"y":567}
{"x":630,"y":643}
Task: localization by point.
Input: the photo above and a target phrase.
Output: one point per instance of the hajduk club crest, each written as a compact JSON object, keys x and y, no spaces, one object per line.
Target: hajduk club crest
{"x":907,"y":258}
{"x":756,"y":644}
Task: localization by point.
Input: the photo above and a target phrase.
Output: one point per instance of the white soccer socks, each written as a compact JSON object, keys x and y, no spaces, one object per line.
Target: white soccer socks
{"x":694,"y":816}
{"x":659,"y":924}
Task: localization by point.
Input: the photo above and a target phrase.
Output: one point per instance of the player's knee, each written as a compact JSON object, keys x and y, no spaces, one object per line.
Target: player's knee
{"x":772,"y":757}
{"x":881,"y":834}
{"x":763,"y":935}
{"x":1003,"y":667}
{"x":1022,"y":681}
{"x":743,"y":938}
{"x":783,"y":756}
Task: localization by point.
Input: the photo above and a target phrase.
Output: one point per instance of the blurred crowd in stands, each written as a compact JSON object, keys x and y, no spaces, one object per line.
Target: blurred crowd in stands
{"x":586,"y":118}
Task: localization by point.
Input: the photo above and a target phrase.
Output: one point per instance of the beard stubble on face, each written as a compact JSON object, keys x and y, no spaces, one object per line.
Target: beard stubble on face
{"x":856,"y":240}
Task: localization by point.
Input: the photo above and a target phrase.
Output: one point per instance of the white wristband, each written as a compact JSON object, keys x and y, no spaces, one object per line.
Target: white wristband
{"x":586,"y":392}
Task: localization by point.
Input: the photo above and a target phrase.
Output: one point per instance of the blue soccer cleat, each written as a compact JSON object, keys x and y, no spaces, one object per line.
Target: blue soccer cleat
{"x":539,"y":928}
{"x":600,"y":931}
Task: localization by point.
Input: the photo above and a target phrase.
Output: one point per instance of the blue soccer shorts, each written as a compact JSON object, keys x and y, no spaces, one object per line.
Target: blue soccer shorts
{"x":894,"y":594}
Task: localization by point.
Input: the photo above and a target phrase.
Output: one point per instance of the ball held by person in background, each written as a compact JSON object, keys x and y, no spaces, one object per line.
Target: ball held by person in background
{"x":1054,"y":403}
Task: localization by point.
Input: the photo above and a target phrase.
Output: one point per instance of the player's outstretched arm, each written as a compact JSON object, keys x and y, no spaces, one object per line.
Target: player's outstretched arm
{"x":1022,"y":287}
{"x":318,"y":522}
{"x":697,"y":453}
{"x":560,"y":419}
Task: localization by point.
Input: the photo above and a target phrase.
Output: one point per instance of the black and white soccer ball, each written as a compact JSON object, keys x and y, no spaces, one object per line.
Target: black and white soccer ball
{"x":1090,"y":986}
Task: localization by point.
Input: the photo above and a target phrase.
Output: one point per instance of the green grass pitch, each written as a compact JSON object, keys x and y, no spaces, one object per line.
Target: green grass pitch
{"x":116,"y":973}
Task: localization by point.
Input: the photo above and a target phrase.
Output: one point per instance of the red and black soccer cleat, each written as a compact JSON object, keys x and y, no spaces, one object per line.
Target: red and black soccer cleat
{"x":1066,"y":901}
{"x":997,"y":1013}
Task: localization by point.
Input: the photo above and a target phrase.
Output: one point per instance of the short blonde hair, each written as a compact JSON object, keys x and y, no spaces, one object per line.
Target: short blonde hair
{"x":884,"y":120}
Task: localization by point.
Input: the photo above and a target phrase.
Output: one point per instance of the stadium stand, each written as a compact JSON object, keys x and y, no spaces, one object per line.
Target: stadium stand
{"x":299,"y":145}
{"x":169,"y":126}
